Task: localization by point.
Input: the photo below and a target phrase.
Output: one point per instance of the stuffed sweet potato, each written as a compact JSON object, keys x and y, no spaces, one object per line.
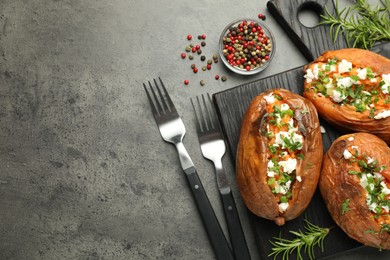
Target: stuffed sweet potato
{"x":279,"y":155}
{"x":351,"y":90}
{"x":355,"y":184}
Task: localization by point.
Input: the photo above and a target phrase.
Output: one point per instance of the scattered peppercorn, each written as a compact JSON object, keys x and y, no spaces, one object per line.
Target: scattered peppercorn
{"x":192,"y":45}
{"x":202,"y":58}
{"x":183,"y":55}
{"x":261,"y":16}
{"x":193,"y":66}
{"x":194,"y":49}
{"x":215,"y":56}
{"x":195,"y":70}
{"x":199,"y":37}
{"x":204,"y":68}
{"x":203,"y":43}
{"x":223,"y":78}
{"x":217,"y":77}
{"x":186,"y":82}
{"x":190,"y":56}
{"x":202,"y":82}
{"x":189,"y":37}
{"x":209,"y":62}
{"x":203,"y":36}
{"x":188,"y":48}
{"x":208,"y":66}
{"x":199,"y":51}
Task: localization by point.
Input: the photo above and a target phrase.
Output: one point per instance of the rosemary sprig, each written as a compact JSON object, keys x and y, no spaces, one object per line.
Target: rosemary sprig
{"x":362,"y":23}
{"x":307,"y":241}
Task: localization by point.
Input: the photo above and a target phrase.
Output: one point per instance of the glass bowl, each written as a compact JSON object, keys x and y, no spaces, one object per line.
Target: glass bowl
{"x":246,"y":46}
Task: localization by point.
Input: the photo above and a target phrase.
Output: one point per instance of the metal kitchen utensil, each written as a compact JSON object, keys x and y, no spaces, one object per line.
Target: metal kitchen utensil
{"x":213,"y":148}
{"x":172,"y":130}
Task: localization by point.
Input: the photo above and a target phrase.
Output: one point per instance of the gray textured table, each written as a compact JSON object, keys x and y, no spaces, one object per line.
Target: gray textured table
{"x":84,"y":173}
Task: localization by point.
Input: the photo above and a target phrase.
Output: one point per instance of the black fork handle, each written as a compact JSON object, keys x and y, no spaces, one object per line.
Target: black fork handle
{"x":214,"y":231}
{"x":237,"y":237}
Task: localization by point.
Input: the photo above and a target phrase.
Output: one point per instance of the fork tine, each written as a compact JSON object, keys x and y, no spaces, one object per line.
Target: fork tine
{"x":158,"y":103}
{"x":202,"y":119}
{"x":170,"y":104}
{"x":164,"y":103}
{"x":154,"y":110}
{"x":198,"y":123}
{"x":207,"y":115}
{"x":213,"y":113}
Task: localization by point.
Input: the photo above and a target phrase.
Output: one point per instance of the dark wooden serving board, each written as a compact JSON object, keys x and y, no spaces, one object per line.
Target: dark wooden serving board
{"x":231,"y":106}
{"x":311,"y":41}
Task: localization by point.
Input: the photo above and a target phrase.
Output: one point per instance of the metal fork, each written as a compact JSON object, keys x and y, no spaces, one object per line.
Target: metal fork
{"x":172,"y":130}
{"x":213,"y":148}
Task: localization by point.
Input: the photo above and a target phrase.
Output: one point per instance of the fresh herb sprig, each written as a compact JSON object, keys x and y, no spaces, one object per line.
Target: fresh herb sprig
{"x":362,"y":23}
{"x":314,"y":236}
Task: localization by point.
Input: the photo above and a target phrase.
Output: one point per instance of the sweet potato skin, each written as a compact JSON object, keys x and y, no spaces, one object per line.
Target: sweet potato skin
{"x":337,"y":185}
{"x":252,"y":159}
{"x":345,"y":118}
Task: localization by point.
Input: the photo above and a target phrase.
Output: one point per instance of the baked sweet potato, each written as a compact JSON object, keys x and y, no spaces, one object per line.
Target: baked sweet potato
{"x":355,"y":184}
{"x":351,"y":90}
{"x":279,"y":155}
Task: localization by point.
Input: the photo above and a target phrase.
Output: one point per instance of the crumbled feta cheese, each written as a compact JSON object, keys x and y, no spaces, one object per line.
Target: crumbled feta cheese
{"x":284,"y":107}
{"x":383,"y":114}
{"x":270,"y":99}
{"x":270,"y":164}
{"x":386,"y":208}
{"x":351,"y":139}
{"x":311,"y":74}
{"x":297,"y":138}
{"x":337,"y":96}
{"x":279,"y":138}
{"x":370,"y":160}
{"x":323,"y":131}
{"x":289,"y":166}
{"x":299,"y":178}
{"x":385,"y":189}
{"x":362,"y":73}
{"x":345,"y":82}
{"x":372,"y":206}
{"x":282,"y":190}
{"x":347,"y":154}
{"x":386,"y":81}
{"x":373,"y":80}
{"x":354,"y":147}
{"x":364,"y":181}
{"x":283,"y":207}
{"x":271,"y":174}
{"x":345,"y":66}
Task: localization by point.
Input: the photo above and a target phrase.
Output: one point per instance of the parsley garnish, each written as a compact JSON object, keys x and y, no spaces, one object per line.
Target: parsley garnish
{"x":345,"y":207}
